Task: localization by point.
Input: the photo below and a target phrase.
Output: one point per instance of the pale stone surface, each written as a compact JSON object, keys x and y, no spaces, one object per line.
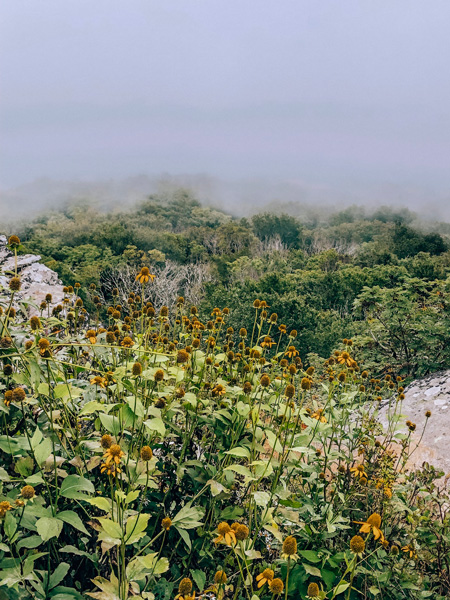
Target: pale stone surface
{"x":37,"y":279}
{"x":430,"y":393}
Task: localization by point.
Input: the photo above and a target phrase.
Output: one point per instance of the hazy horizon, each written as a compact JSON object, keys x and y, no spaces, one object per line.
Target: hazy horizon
{"x":344,"y":101}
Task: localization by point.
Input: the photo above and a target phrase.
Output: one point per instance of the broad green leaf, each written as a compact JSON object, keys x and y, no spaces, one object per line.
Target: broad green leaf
{"x":135,"y":528}
{"x":112,"y":528}
{"x":10,"y":525}
{"x":239,"y":451}
{"x":58,"y":575}
{"x":71,"y":517}
{"x":73,"y":485}
{"x":188,"y":517}
{"x":32,"y":541}
{"x":111,"y":423}
{"x":241,"y":470}
{"x":199,"y":578}
{"x":101,"y":503}
{"x":312,"y":570}
{"x":43,"y":451}
{"x":48,"y":527}
{"x":156,"y":424}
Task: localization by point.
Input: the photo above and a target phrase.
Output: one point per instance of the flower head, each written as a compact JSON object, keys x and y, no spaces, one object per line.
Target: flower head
{"x":372,"y":524}
{"x":146,"y":453}
{"x":114,"y":454}
{"x":166,"y":523}
{"x":276,"y":586}
{"x":4,"y":507}
{"x":220,"y":577}
{"x":226,"y":534}
{"x":313,"y":590}
{"x":265,"y":577}
{"x":357,"y":544}
{"x":290,"y":548}
{"x":144,"y":275}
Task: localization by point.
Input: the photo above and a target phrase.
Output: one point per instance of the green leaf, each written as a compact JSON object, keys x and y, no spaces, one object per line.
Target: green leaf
{"x":33,"y":541}
{"x":43,"y":451}
{"x":135,"y":528}
{"x":58,"y":575}
{"x":110,"y":423}
{"x":112,"y":528}
{"x":131,"y":496}
{"x":199,"y":578}
{"x":188,"y":517}
{"x":10,"y":525}
{"x":73,"y":485}
{"x":310,"y":555}
{"x":48,"y":527}
{"x":73,"y":550}
{"x":71,"y":517}
{"x":241,"y":470}
{"x":239,"y":451}
{"x":185,"y":536}
{"x":101,"y":503}
{"x":156,"y":424}
{"x":91,"y":407}
{"x":312,"y":570}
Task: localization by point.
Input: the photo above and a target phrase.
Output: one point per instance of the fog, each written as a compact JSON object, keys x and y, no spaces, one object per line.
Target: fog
{"x":247,"y":103}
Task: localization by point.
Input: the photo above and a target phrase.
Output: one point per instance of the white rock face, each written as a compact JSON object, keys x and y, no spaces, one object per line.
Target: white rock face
{"x":37,"y":279}
{"x":431,"y":393}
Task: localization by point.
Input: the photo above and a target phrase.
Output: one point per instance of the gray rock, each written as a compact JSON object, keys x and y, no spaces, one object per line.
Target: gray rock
{"x":431,"y":393}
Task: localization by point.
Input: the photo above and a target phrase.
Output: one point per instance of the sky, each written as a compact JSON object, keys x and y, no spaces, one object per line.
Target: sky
{"x":344,"y":94}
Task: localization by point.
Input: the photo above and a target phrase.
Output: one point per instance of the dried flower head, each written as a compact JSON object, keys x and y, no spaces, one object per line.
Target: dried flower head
{"x":18,"y":394}
{"x":276,"y":586}
{"x":106,"y":441}
{"x":357,"y":544}
{"x":136,"y":369}
{"x":313,"y":590}
{"x":28,"y":492}
{"x":166,"y":523}
{"x":146,"y":453}
{"x":15,"y":284}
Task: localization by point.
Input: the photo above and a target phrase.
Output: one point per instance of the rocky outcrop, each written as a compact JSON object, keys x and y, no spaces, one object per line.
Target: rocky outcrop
{"x":37,"y":280}
{"x":428,"y":394}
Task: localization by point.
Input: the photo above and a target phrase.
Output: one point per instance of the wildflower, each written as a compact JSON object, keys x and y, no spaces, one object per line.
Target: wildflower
{"x":100,"y":381}
{"x":13,"y":241}
{"x":305,"y":383}
{"x":28,"y":492}
{"x":267,"y":342}
{"x":127,"y":342}
{"x":4,"y":507}
{"x":8,"y":397}
{"x":373,"y":523}
{"x":345,"y":359}
{"x":290,"y":547}
{"x":394,"y":550}
{"x":182,"y":357}
{"x":18,"y":394}
{"x":5,"y":342}
{"x":219,"y":390}
{"x":8,"y":370}
{"x":15,"y":284}
{"x":35,"y":323}
{"x":111,"y":469}
{"x":409,"y":549}
{"x":357,"y":544}
{"x":184,"y":588}
{"x":113,"y":454}
{"x":91,"y":336}
{"x":289,"y":392}
{"x":428,"y":414}
{"x":247,"y":387}
{"x":159,"y":375}
{"x":319,"y":415}
{"x":144,"y":275}
{"x":106,"y":441}
{"x":358,"y":471}
{"x":241,"y":532}
{"x":313,"y":590}
{"x":110,"y":337}
{"x":265,"y":577}
{"x":146,"y":453}
{"x":166,"y":523}
{"x":256,"y":303}
{"x":44,"y":347}
{"x":264,"y":381}
{"x":291,"y":351}
{"x":276,"y":586}
{"x":226,"y":534}
{"x":220,"y":577}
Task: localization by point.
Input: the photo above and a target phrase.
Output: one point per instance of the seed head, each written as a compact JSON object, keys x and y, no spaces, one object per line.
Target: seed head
{"x":146,"y":453}
{"x":185,"y":586}
{"x":106,"y":441}
{"x":159,"y":375}
{"x":289,"y":392}
{"x":276,"y":586}
{"x":15,"y":284}
{"x":18,"y":394}
{"x":166,"y":523}
{"x":357,"y":544}
{"x":313,"y":590}
{"x":28,"y":492}
{"x":241,"y":532}
{"x":136,"y":369}
{"x":290,"y":546}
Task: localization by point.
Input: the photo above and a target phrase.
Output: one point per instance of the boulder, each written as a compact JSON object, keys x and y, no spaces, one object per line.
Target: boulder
{"x":37,"y":279}
{"x":432,"y":434}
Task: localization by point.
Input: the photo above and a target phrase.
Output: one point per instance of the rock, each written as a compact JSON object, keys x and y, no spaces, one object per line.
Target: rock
{"x":37,"y":279}
{"x":431,"y":393}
